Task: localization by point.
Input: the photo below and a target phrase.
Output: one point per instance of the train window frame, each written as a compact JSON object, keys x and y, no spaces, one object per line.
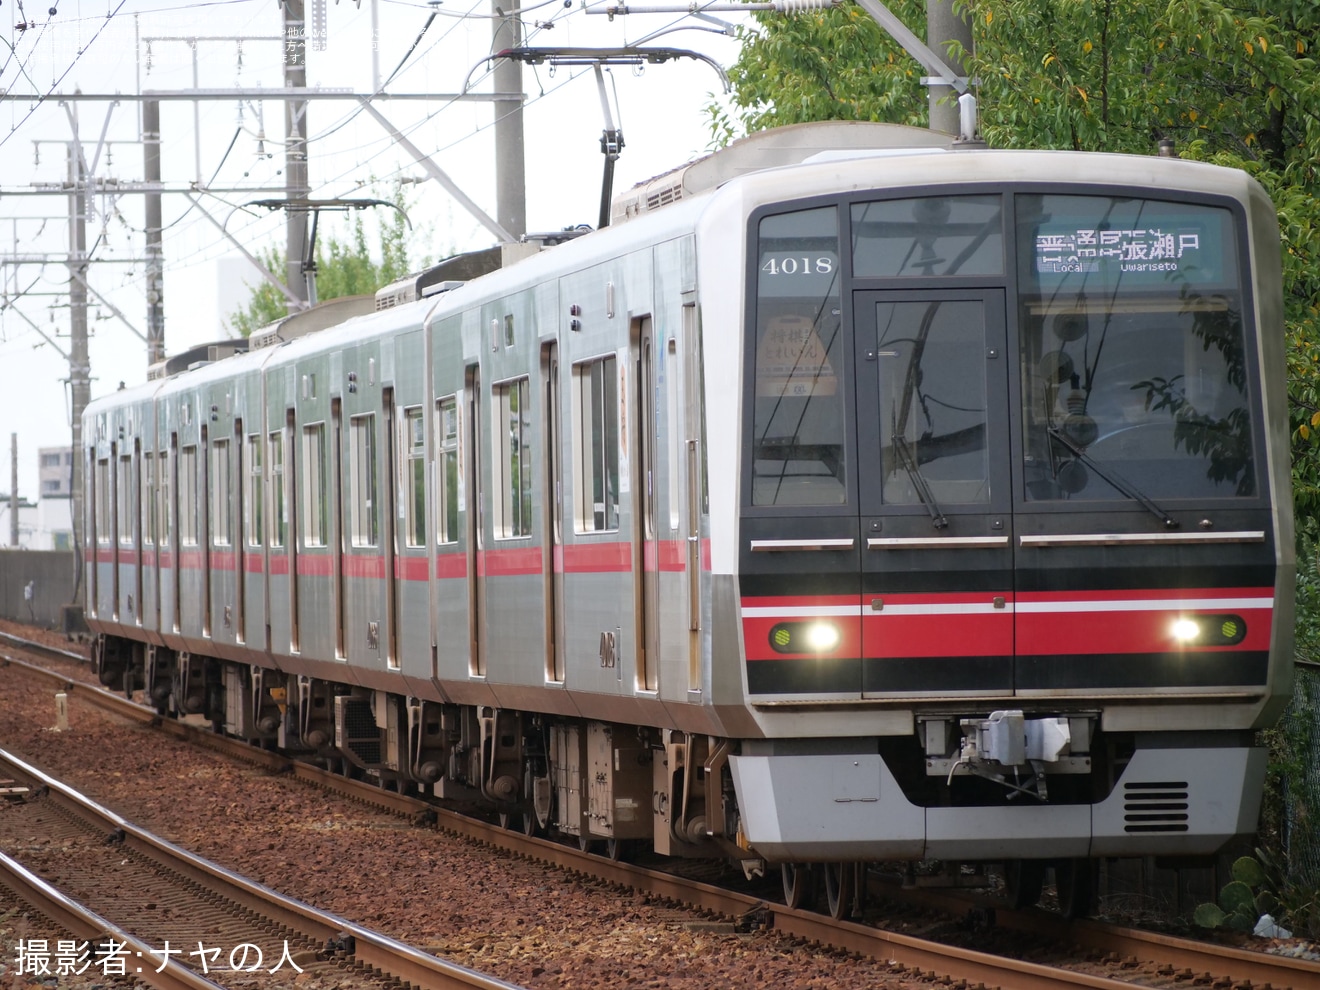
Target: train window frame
{"x":412,"y":425}
{"x":254,"y":506}
{"x":513,"y":479}
{"x":363,"y":481}
{"x":313,"y":514}
{"x":277,"y":521}
{"x":222,"y":492}
{"x":928,"y":208}
{"x":596,"y":389}
{"x":162,"y":509}
{"x":1009,"y":281}
{"x":838,"y":354}
{"x":1241,"y":277}
{"x":102,"y":501}
{"x":147,"y":502}
{"x":187,"y":493}
{"x":124,"y":506}
{"x":449,"y":469}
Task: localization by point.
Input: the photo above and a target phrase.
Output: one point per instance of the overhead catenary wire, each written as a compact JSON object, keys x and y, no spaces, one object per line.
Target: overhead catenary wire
{"x":385,"y":145}
{"x":54,"y":85}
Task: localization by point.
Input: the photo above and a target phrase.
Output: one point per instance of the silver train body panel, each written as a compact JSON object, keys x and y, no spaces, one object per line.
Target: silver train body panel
{"x":529,"y":494}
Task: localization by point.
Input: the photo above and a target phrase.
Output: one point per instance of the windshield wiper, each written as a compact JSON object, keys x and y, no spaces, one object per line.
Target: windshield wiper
{"x":1116,"y":480}
{"x":918,"y":480}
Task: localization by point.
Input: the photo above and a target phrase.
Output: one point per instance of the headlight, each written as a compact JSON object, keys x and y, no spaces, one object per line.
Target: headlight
{"x":1186,"y":630}
{"x":1210,"y":630}
{"x":805,"y":637}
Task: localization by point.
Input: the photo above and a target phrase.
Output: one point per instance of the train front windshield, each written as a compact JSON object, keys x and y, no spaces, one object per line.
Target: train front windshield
{"x":1125,"y":315}
{"x":1133,"y":360}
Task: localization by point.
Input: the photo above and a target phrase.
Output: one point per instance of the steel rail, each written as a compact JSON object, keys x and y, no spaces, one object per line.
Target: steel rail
{"x":53,"y":651}
{"x":370,"y":948}
{"x":83,"y":923}
{"x":911,"y":954}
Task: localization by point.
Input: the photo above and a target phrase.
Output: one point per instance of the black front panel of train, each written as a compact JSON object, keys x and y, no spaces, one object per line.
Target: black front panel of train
{"x":1003,"y":443}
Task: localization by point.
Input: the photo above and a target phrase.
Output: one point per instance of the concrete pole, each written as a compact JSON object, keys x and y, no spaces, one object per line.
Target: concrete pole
{"x":80,"y":381}
{"x":510,"y":166}
{"x":942,"y":26}
{"x":13,"y":490}
{"x":295,"y":151}
{"x":155,"y":254}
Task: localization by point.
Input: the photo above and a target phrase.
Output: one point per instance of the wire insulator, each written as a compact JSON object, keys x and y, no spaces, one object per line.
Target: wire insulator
{"x":796,"y":6}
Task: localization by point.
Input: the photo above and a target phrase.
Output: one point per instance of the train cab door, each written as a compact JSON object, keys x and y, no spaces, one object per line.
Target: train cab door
{"x":935,"y":506}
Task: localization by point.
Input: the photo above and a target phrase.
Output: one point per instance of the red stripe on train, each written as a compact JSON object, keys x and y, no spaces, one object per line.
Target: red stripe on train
{"x":588,"y":558}
{"x":315,"y":565}
{"x":451,"y":565}
{"x":412,"y":568}
{"x":510,"y":562}
{"x":367,"y":566}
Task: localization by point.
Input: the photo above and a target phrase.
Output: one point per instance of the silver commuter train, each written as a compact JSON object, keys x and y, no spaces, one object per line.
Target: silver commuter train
{"x":851,"y":498}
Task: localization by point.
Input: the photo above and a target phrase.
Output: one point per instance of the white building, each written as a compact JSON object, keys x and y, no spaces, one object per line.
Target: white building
{"x":52,"y":524}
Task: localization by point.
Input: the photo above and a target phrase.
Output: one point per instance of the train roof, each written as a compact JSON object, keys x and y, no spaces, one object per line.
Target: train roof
{"x":768,"y":167}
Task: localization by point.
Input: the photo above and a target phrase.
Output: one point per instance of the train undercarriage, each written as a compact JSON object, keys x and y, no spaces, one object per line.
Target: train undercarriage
{"x":601,"y":783}
{"x":620,"y":787}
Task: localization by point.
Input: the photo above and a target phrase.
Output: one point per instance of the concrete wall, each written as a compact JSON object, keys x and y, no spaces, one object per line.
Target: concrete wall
{"x":52,"y":572}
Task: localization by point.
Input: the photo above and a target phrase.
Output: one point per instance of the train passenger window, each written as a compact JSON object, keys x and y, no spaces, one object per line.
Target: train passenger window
{"x":188,"y":497}
{"x":103,"y":500}
{"x":221,"y":493}
{"x":511,"y":466}
{"x":252,"y":503}
{"x":124,"y":500}
{"x":798,"y":422}
{"x":313,"y":510}
{"x":163,"y":500}
{"x":362,"y":480}
{"x":278,"y":515}
{"x":596,"y":454}
{"x":933,"y":235}
{"x":1134,"y":366}
{"x":148,"y":501}
{"x":447,"y":467}
{"x":414,"y":497}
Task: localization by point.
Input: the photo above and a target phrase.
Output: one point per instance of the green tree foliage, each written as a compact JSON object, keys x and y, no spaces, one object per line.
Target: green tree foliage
{"x":343,"y":268}
{"x":1233,"y":83}
{"x":833,"y":64}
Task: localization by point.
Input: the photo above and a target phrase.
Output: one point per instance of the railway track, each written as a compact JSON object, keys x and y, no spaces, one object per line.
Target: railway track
{"x":76,"y":925}
{"x":1121,"y":956}
{"x":157,"y":901}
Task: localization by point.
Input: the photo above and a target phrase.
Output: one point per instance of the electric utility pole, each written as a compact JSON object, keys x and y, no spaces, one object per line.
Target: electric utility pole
{"x":944,"y":24}
{"x":295,"y":154}
{"x":154,"y":248}
{"x":510,"y":166}
{"x":80,"y":383}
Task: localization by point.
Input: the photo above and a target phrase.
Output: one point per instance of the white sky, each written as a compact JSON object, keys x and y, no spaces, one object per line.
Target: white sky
{"x":661,"y":111}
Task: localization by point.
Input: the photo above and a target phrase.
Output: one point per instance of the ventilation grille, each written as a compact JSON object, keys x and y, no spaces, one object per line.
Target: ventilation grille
{"x":1155,"y":806}
{"x":663,"y":197}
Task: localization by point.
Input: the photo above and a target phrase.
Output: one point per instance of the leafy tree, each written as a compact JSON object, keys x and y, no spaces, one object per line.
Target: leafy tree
{"x":1232,"y":83}
{"x":343,"y":268}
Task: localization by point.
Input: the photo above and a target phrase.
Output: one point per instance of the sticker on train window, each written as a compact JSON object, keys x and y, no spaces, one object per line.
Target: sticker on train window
{"x":791,"y":360}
